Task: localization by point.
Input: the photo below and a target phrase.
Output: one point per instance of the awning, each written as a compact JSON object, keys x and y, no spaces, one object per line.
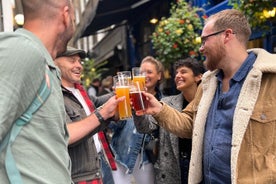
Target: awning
{"x":110,"y":12}
{"x":85,"y":20}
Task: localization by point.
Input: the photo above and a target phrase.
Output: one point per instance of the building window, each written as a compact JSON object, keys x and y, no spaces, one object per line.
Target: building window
{"x":85,"y":44}
{"x":82,"y":5}
{"x":90,"y":42}
{"x":77,"y":15}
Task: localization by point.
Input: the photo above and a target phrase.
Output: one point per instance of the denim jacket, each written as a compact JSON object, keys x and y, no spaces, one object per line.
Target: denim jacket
{"x":127,"y":142}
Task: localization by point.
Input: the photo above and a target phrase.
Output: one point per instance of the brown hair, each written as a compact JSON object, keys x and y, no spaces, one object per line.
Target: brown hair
{"x":233,"y":19}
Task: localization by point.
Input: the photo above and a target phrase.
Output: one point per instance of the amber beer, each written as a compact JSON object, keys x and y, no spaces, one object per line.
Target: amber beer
{"x":124,"y":106}
{"x":138,"y":101}
{"x":122,"y":88}
{"x":141,"y":80}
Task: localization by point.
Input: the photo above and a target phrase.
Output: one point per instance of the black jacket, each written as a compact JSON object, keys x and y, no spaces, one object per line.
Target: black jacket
{"x":84,"y":156}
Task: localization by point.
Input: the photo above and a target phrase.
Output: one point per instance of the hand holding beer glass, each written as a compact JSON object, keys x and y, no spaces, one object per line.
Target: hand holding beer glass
{"x":121,"y":83}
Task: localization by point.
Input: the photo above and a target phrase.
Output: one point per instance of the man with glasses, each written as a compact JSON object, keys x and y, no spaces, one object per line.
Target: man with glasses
{"x":232,"y":120}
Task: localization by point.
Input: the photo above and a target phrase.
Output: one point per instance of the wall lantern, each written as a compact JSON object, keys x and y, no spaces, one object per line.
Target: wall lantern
{"x":153,"y":20}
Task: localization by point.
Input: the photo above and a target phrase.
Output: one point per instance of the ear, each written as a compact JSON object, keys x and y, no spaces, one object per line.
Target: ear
{"x":198,"y":78}
{"x":159,"y":76}
{"x":66,"y":16}
{"x":228,"y":35}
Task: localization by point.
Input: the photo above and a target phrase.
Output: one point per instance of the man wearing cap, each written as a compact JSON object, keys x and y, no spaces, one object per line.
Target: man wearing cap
{"x":83,"y":121}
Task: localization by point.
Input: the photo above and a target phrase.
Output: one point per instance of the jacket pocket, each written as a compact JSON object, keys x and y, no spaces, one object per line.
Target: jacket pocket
{"x":263,"y":126}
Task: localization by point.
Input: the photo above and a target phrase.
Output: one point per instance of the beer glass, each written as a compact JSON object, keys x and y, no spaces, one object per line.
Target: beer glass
{"x":121,"y":84}
{"x":126,"y":74}
{"x":139,"y":76}
{"x":138,"y":99}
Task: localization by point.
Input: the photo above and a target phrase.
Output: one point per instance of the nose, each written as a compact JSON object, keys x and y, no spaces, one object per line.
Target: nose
{"x":201,"y":48}
{"x":177,"y":75}
{"x":79,"y":65}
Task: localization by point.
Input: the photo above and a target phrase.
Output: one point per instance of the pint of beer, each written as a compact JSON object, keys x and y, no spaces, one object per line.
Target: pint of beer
{"x":139,"y":76}
{"x":122,"y":88}
{"x":137,"y":97}
{"x":127,"y":74}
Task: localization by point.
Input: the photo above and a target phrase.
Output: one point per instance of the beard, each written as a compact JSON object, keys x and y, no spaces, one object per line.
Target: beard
{"x":214,"y":58}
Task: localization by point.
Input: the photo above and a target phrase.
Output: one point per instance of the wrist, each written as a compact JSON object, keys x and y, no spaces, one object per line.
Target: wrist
{"x":99,"y":116}
{"x":160,"y":106}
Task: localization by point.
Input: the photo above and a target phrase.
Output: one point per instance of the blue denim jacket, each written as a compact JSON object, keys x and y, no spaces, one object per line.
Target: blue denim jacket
{"x":127,"y":143}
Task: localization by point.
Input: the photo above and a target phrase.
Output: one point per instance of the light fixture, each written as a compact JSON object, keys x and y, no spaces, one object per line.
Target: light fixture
{"x":153,"y":20}
{"x":19,"y":19}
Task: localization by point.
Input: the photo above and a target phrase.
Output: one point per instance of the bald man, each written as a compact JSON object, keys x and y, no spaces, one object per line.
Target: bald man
{"x":40,"y":149}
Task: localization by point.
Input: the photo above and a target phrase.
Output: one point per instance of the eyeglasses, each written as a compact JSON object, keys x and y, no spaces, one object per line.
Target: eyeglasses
{"x":204,"y":38}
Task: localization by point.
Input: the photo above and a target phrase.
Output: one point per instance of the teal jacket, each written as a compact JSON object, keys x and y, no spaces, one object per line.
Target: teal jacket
{"x":40,"y":149}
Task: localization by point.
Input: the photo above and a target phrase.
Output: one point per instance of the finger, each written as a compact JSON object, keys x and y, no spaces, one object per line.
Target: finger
{"x":146,"y":94}
{"x":120,"y":99}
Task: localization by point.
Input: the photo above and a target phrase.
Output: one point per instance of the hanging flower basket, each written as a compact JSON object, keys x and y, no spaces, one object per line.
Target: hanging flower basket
{"x":178,"y":36}
{"x":258,"y":12}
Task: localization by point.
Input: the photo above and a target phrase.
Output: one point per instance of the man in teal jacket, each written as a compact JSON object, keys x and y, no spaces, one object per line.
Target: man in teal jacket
{"x":40,"y":149}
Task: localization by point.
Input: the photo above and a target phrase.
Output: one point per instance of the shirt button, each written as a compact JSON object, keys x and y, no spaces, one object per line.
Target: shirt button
{"x":165,"y":154}
{"x":263,"y":117}
{"x":163,"y":176}
{"x":97,"y":174}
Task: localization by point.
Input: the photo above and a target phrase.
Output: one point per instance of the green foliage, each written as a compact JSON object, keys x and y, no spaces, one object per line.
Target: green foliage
{"x":177,"y":36}
{"x":256,"y":11}
{"x":92,"y":71}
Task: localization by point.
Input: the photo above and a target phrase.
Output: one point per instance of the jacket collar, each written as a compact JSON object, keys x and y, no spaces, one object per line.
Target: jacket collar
{"x":265,"y":61}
